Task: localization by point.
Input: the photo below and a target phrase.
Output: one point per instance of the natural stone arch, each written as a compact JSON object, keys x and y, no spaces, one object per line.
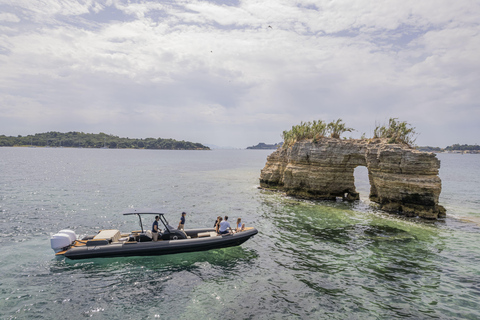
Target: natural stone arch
{"x":401,"y":179}
{"x":362,"y":182}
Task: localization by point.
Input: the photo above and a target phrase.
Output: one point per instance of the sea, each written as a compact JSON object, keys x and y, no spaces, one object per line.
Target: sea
{"x":309,"y":260}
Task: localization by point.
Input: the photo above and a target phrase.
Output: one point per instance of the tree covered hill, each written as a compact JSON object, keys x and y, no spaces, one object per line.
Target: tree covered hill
{"x":93,"y":140}
{"x":463,"y":147}
{"x":264,"y":146}
{"x":457,"y":148}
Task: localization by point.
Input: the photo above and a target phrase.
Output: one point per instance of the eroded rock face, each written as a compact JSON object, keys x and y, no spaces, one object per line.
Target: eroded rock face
{"x":401,"y":179}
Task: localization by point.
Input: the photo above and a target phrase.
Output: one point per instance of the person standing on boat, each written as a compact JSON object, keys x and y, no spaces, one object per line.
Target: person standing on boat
{"x":181,"y":225}
{"x":224,"y":226}
{"x":155,"y":228}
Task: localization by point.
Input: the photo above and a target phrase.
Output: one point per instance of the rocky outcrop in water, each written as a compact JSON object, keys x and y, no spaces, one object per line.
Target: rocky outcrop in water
{"x":402,"y":179}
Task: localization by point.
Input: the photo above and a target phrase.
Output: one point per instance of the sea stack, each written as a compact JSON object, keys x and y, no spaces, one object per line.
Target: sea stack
{"x":402,"y":179}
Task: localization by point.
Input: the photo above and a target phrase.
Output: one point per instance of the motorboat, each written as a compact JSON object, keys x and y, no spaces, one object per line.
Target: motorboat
{"x":113,"y":243}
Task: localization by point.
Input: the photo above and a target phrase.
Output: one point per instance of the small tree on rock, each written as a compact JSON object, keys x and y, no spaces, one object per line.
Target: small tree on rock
{"x":337,"y":128}
{"x":396,"y":132}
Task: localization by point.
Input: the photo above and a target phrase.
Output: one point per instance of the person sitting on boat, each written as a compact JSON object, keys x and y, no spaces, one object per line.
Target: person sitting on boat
{"x":224,"y":227}
{"x":217,"y":222}
{"x":181,"y":224}
{"x":155,"y":229}
{"x":240,"y":226}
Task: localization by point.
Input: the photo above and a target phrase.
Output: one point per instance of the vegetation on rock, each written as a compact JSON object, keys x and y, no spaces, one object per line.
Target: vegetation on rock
{"x":313,"y":130}
{"x":396,"y":132}
{"x":337,"y":128}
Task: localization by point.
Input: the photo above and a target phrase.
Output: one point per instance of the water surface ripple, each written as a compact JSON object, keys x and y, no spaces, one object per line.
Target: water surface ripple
{"x":310,"y":260}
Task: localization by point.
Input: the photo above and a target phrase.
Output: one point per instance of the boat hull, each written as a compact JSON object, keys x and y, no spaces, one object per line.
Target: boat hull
{"x":156,"y":248}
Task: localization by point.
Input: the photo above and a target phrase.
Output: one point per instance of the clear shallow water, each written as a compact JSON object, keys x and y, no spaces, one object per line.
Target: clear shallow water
{"x":310,"y":260}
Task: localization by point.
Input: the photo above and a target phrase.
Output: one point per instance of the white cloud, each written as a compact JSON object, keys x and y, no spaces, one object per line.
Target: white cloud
{"x":9,"y":17}
{"x":250,"y":71}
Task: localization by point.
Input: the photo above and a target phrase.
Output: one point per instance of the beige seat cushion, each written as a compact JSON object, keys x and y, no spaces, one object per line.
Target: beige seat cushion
{"x":111,"y":235}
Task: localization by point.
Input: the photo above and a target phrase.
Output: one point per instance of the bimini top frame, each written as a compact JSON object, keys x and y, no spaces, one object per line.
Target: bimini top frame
{"x":139,"y":212}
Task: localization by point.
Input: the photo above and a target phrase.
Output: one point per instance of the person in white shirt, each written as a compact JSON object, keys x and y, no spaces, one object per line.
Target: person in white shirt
{"x":224,"y":226}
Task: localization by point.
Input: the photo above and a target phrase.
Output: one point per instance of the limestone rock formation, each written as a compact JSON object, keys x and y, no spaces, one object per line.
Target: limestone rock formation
{"x":402,"y":179}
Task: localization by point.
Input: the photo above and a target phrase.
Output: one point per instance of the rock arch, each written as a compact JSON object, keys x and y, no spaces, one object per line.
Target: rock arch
{"x":401,"y":179}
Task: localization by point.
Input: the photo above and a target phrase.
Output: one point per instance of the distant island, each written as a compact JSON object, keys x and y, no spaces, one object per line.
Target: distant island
{"x":265,"y":146}
{"x":456,"y":148}
{"x":95,"y":140}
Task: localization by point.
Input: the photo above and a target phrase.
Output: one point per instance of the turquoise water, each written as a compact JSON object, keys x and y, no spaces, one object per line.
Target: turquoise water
{"x":310,"y":260}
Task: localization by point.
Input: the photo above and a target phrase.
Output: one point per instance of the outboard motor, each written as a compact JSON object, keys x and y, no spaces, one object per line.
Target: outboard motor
{"x":62,"y":240}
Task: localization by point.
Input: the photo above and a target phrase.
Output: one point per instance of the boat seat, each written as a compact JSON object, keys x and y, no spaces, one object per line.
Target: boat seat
{"x":207,"y":234}
{"x":146,"y":236}
{"x":109,"y":235}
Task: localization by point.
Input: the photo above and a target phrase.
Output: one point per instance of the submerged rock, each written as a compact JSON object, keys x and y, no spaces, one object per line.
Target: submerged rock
{"x":401,"y":179}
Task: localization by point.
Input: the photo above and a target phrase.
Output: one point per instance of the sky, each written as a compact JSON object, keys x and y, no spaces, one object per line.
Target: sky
{"x":239,"y":72}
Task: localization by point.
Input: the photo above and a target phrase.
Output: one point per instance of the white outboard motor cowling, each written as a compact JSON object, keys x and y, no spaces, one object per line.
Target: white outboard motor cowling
{"x":62,"y":240}
{"x":70,"y":233}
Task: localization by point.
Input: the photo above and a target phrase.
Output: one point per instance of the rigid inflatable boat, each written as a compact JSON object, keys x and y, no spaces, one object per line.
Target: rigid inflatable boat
{"x":113,"y":243}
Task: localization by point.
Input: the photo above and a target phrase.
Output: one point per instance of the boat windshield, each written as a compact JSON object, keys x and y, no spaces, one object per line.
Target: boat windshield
{"x":140,"y":212}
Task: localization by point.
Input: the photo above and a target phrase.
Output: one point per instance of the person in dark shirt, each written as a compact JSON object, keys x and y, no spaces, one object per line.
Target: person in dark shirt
{"x":217,"y":222}
{"x":181,"y":225}
{"x":155,"y":228}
